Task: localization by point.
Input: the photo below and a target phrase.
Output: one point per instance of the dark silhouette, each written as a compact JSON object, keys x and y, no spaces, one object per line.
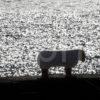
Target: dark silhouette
{"x":69,"y":59}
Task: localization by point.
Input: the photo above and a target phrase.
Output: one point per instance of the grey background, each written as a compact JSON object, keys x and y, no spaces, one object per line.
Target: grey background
{"x":30,"y":26}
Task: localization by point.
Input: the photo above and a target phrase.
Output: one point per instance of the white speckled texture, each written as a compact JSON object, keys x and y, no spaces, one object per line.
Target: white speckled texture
{"x":30,"y":26}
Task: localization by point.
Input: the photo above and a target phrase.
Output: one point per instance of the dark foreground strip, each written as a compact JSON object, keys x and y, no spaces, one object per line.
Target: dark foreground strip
{"x":58,"y":87}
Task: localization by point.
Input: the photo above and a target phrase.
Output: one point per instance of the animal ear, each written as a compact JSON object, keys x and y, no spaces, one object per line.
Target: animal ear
{"x":83,"y":56}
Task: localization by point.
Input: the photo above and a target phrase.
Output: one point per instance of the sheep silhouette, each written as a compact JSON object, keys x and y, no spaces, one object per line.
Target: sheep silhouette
{"x":68,"y":59}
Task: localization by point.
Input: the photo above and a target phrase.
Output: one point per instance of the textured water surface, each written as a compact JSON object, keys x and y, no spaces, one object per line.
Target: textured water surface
{"x":30,"y":26}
